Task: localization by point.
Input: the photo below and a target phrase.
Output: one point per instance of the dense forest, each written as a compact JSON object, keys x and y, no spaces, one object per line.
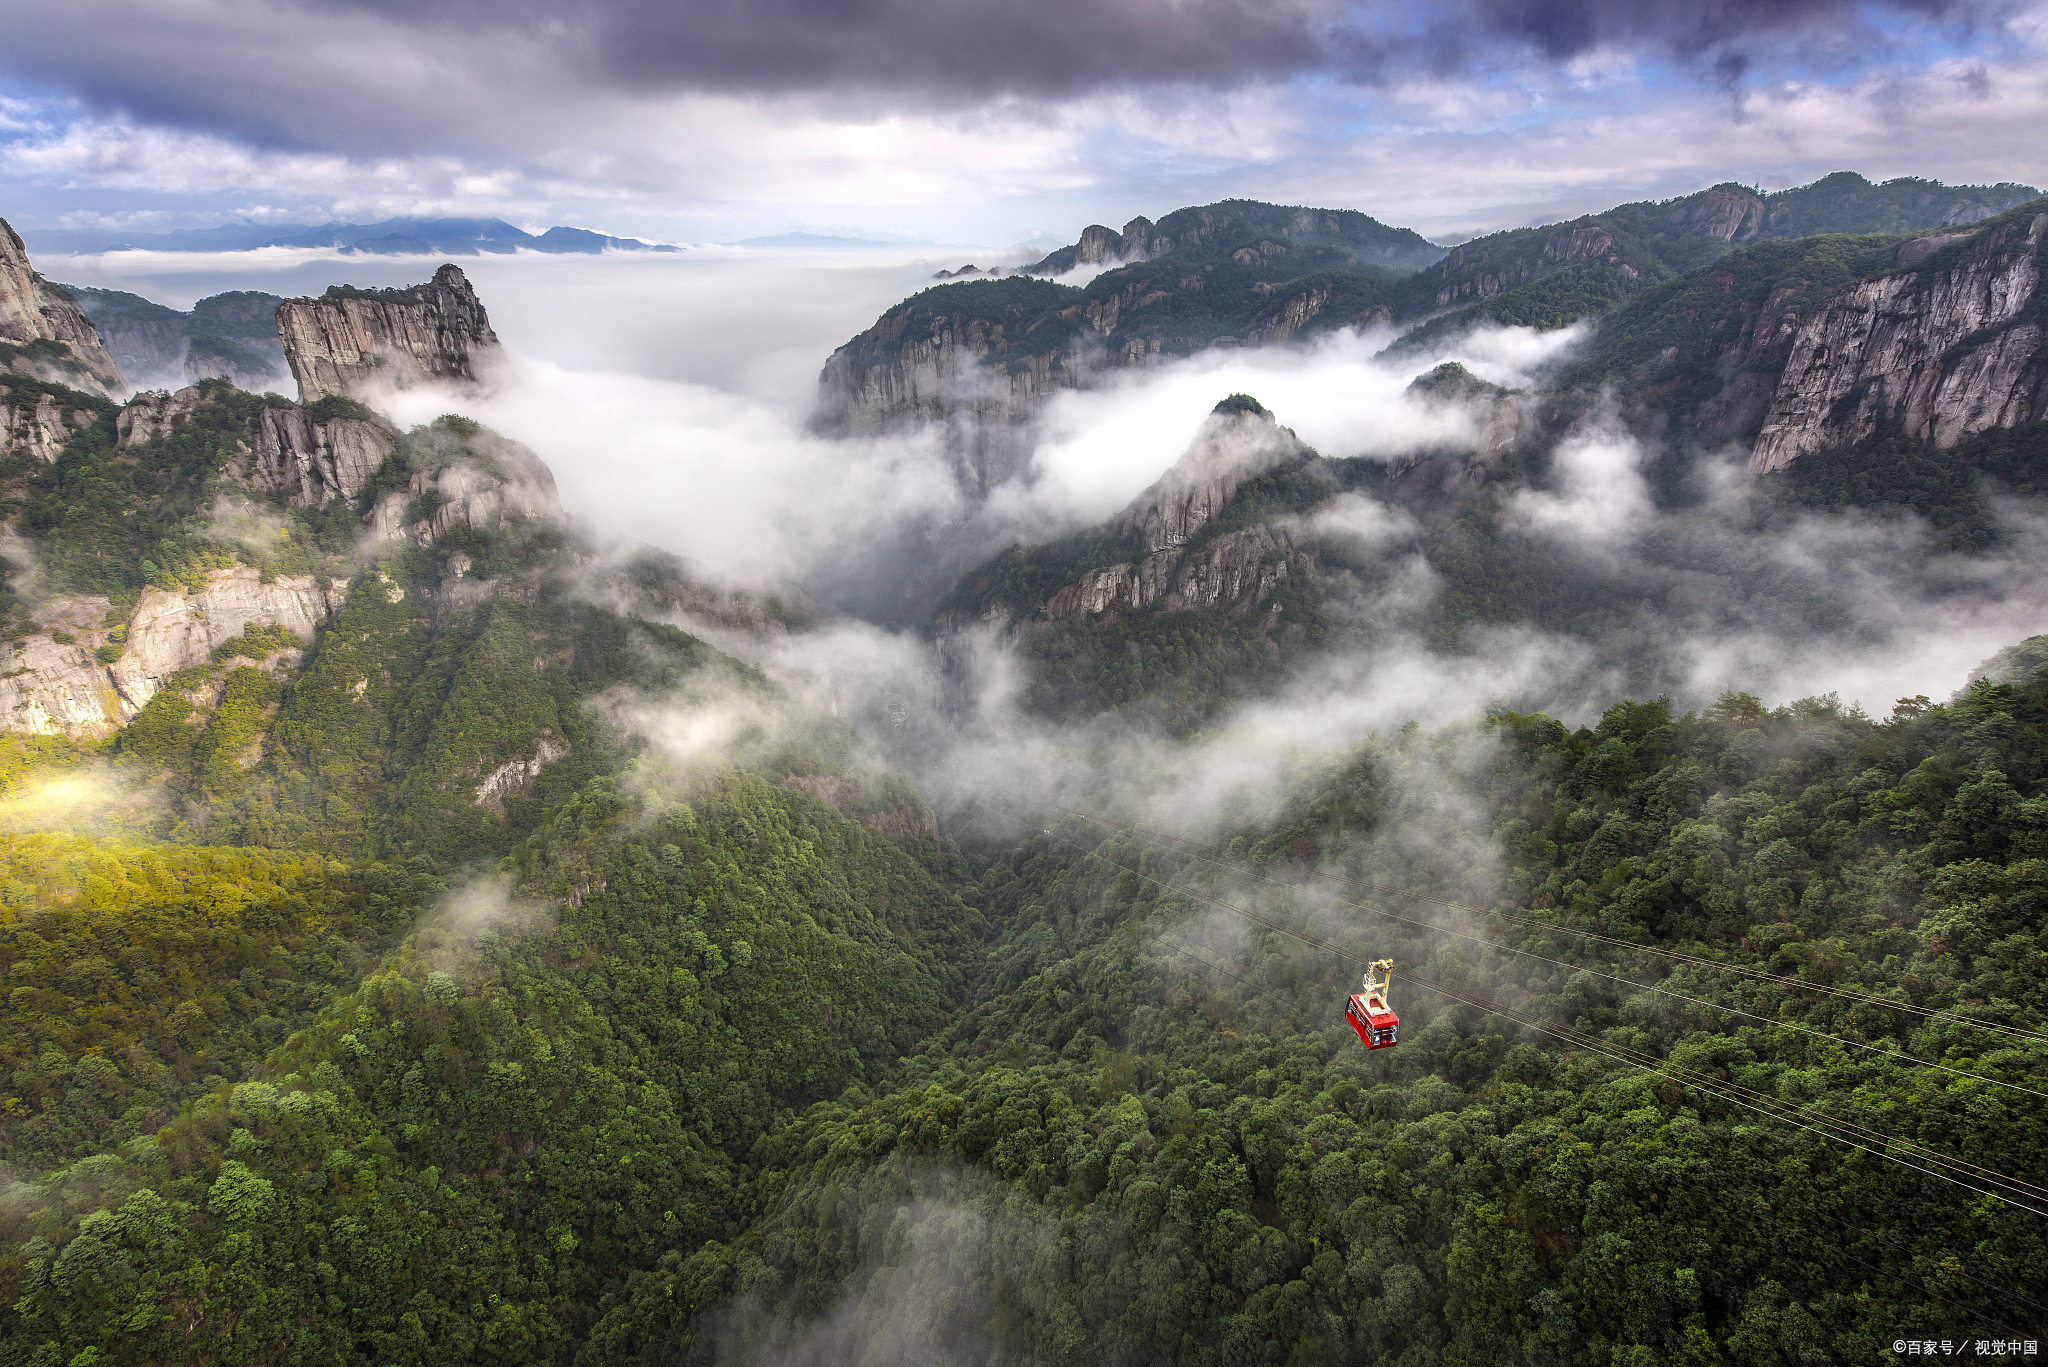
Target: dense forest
{"x":495,"y":971}
{"x":706,"y":1062}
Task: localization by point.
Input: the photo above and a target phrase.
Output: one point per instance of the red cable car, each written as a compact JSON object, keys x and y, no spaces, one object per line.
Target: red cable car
{"x":1369,"y":1014}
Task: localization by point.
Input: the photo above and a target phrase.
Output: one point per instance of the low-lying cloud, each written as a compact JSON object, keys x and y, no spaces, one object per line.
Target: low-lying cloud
{"x":659,"y":432}
{"x":1731,"y":593}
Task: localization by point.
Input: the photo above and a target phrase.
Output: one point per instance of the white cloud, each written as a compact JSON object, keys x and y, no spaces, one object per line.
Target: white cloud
{"x":497,"y":125}
{"x":1599,"y":502}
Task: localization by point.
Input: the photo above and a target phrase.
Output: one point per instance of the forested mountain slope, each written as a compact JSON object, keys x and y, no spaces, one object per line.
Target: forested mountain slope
{"x":1152,"y":1134}
{"x":980,"y":357}
{"x":446,"y":958}
{"x":478,"y":1151}
{"x":231,"y":335}
{"x":702,"y":1097}
{"x":1550,"y":277}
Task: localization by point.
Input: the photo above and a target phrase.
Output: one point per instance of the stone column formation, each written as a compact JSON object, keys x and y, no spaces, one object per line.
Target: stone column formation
{"x":359,"y":346}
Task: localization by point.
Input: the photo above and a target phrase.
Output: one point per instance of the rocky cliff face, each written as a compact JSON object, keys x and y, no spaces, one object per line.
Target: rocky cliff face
{"x":948,"y":368}
{"x":154,"y":414}
{"x":59,"y":687}
{"x":516,"y":777}
{"x":313,"y":462}
{"x":1233,"y":445}
{"x":36,"y":426}
{"x":1237,"y":570}
{"x":42,"y":330}
{"x":1103,"y":246}
{"x":287,"y":451}
{"x":1182,"y":569}
{"x":53,"y":687}
{"x":364,"y":343}
{"x":1949,"y":345}
{"x":464,"y":477}
{"x":170,"y":631}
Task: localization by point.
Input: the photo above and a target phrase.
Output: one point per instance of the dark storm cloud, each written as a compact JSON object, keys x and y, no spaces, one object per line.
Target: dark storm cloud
{"x":1057,"y":47}
{"x":1689,"y":28}
{"x":416,"y":75}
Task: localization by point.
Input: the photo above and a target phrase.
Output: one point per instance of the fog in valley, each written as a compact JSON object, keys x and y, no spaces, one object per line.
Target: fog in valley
{"x":672,"y":398}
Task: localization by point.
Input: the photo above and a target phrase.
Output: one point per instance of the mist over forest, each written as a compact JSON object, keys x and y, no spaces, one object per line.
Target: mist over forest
{"x":746,"y":804}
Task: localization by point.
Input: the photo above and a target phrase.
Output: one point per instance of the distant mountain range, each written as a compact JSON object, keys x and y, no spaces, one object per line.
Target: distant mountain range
{"x":392,"y":237}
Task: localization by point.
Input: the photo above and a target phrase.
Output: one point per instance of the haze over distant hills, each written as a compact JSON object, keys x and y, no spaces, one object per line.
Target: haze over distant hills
{"x":392,"y":237}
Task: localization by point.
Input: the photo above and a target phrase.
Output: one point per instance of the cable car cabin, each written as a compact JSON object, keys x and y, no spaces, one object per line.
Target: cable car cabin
{"x":1370,"y":1015}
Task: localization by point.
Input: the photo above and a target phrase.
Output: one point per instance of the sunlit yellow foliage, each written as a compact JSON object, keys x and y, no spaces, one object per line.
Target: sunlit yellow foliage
{"x":45,"y":871}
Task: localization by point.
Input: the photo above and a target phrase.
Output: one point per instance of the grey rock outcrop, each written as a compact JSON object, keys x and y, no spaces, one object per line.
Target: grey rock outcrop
{"x":1102,"y":246}
{"x":892,"y":376}
{"x":43,"y":332}
{"x":37,"y":426}
{"x":516,"y":777}
{"x":49,"y":688}
{"x":286,"y":451}
{"x":58,"y":687}
{"x":314,"y":462}
{"x":477,"y":480}
{"x":361,"y":345}
{"x":170,"y":631}
{"x":1235,"y":570}
{"x":155,"y":413}
{"x":1231,"y":447}
{"x":1949,"y":345}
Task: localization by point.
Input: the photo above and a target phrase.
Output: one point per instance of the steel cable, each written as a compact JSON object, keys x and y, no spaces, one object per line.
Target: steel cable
{"x":1530,"y":922}
{"x":1845,"y":1132}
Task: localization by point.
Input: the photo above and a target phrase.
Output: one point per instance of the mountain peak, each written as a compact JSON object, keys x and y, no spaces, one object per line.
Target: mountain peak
{"x":1239,"y":440}
{"x":355,"y":342}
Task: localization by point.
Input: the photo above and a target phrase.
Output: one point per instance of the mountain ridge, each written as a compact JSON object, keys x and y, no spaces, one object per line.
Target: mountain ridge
{"x":979,"y":358}
{"x":388,"y":237}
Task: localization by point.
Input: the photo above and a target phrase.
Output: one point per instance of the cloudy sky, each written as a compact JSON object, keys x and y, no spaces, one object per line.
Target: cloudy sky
{"x":986,"y":121}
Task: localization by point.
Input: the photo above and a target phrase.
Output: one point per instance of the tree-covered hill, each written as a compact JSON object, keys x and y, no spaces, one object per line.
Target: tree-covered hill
{"x":1454,"y":554}
{"x":547,"y":1088}
{"x":145,"y":976}
{"x":1553,"y":276}
{"x":1215,"y":232}
{"x":723,"y":1070}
